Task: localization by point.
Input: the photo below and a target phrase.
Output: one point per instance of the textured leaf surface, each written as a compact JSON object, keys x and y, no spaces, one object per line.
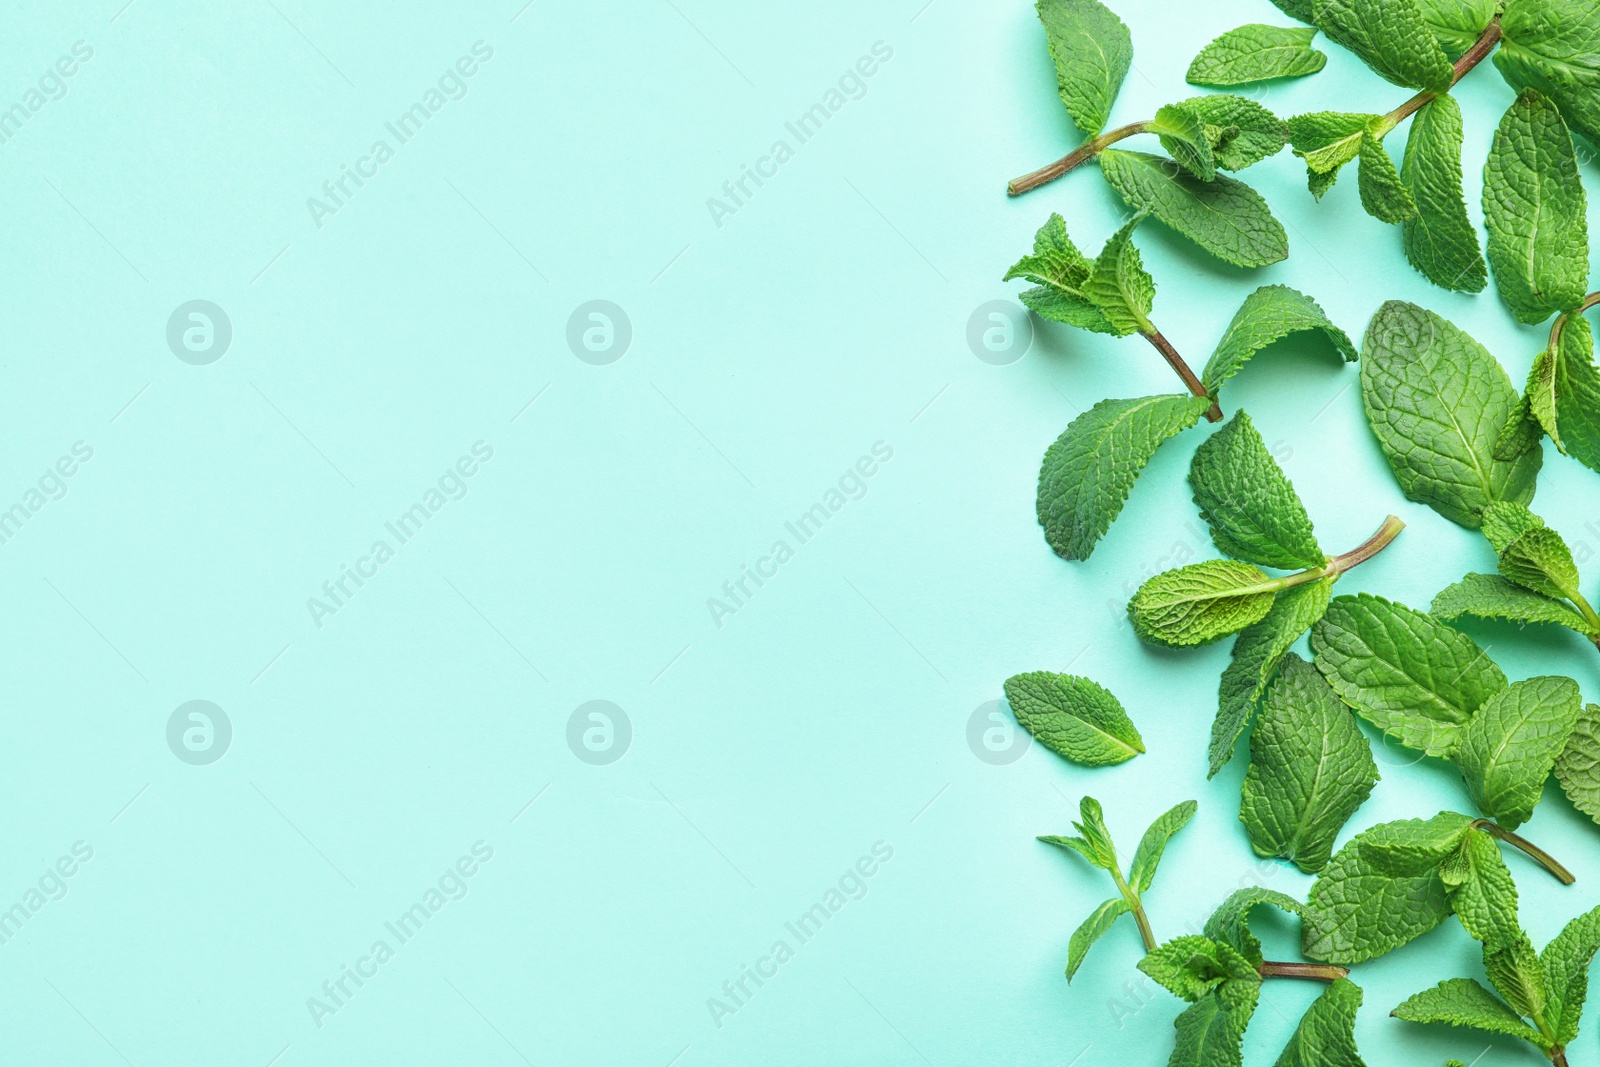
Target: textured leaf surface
{"x":1383,"y":195}
{"x":1541,"y":561}
{"x":1513,"y":969}
{"x":1091,"y":467}
{"x":1093,"y":829}
{"x":1489,"y":596}
{"x":1225,"y":217}
{"x":1441,"y":241}
{"x":1554,"y":46}
{"x":1211,"y":1030}
{"x":1536,"y":212}
{"x":1147,"y":857}
{"x":1079,"y":845}
{"x":1230,"y":923}
{"x":1256,"y":655}
{"x":1357,"y":913}
{"x":1409,"y":848}
{"x":1200,"y":603}
{"x":1509,"y":748}
{"x":1457,"y":24}
{"x":1119,"y":285}
{"x":1092,"y":50}
{"x":1407,"y":673}
{"x":1073,"y":717}
{"x":1247,"y":133}
{"x":1327,"y":140}
{"x":1578,"y":766}
{"x":1296,"y":9}
{"x":1060,"y":272}
{"x":1437,"y":401}
{"x":1578,"y":394}
{"x":1566,"y":963}
{"x":1391,"y":37}
{"x":1183,"y":134}
{"x":1192,"y":966}
{"x":1267,"y":315}
{"x":1256,"y":53}
{"x":1326,"y":1036}
{"x":1310,"y":769}
{"x":1254,"y":513}
{"x":1463,"y":1002}
{"x":1084,"y":937}
{"x":1480,"y":889}
{"x":1504,"y":522}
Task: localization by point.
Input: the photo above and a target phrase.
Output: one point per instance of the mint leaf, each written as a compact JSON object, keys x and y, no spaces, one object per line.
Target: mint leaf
{"x":1252,"y":510}
{"x":1200,"y":603}
{"x":1091,"y":467}
{"x":1554,"y":46}
{"x":1407,"y":673}
{"x":1256,"y":53}
{"x":1411,"y":848}
{"x":1084,"y":937}
{"x":1093,"y":829}
{"x":1437,"y":401}
{"x":1230,"y":923}
{"x":1566,"y":961}
{"x":1073,"y":717}
{"x":1211,"y":1030}
{"x":1119,"y":285}
{"x":1578,"y":766}
{"x":1061,"y":272}
{"x":1310,"y":769}
{"x":1326,"y":1035}
{"x":1489,"y":596}
{"x":1296,"y":9}
{"x":1540,"y":560}
{"x":1092,"y":51}
{"x":1383,"y":195}
{"x":1357,"y":913}
{"x":1225,"y":217}
{"x":1246,"y":132}
{"x":1190,"y":967}
{"x":1391,"y":37}
{"x":1457,"y":24}
{"x":1578,"y":394}
{"x":1267,"y":315}
{"x":1080,"y":846}
{"x":1463,"y":1002}
{"x":1441,"y":241}
{"x":1327,"y":140}
{"x":1509,"y":748}
{"x":1534,"y":206}
{"x":1504,"y":522}
{"x":1480,"y":888}
{"x":1183,"y":134}
{"x":1147,"y":857}
{"x":1514,"y":969}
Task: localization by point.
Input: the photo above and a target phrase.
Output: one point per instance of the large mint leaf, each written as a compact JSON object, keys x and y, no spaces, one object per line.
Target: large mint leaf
{"x":1098,"y":922}
{"x":1490,"y":596}
{"x":1060,"y":273}
{"x":1256,"y":655}
{"x":1463,"y":1002}
{"x":1357,"y":913}
{"x":1437,"y":401}
{"x":1252,"y":510}
{"x":1200,"y":603}
{"x":1230,"y":923}
{"x":1509,"y":748}
{"x":1092,"y":50}
{"x":1073,"y":717}
{"x":1326,"y":1036}
{"x":1147,"y":857}
{"x":1225,"y":217}
{"x":1211,"y":1030}
{"x":1554,"y":46}
{"x":1578,"y":766}
{"x":1566,"y":963}
{"x":1407,"y":673}
{"x":1257,"y":53}
{"x":1391,"y":37}
{"x":1534,"y":206}
{"x":1310,"y":769}
{"x":1457,"y":24}
{"x":1091,"y":467}
{"x":1267,"y":315}
{"x":1441,"y":241}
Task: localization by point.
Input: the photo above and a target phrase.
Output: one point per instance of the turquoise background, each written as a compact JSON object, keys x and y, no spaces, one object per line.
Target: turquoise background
{"x":828,"y":715}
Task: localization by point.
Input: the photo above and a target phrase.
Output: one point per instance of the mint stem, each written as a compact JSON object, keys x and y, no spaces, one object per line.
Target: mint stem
{"x":1325,"y":972}
{"x":1176,"y":362}
{"x":1335,"y":566}
{"x":1138,"y":910}
{"x":1544,"y":859}
{"x":1476,"y":54}
{"x":1082,"y":154}
{"x":1592,"y":300}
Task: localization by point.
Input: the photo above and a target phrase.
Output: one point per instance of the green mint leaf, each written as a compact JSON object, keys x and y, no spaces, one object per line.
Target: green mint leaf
{"x":1296,"y":9}
{"x":1211,"y":1030}
{"x":1256,"y":133}
{"x":1147,"y":857}
{"x":1578,"y":766}
{"x":1252,"y":510}
{"x":1554,"y":46}
{"x":1190,"y":967}
{"x":1489,"y":596}
{"x":1310,"y":769}
{"x":1327,"y":140}
{"x":1080,"y":846}
{"x":1230,"y":923}
{"x":1256,"y":53}
{"x":1225,"y":217}
{"x":1521,"y":433}
{"x":1566,"y":961}
{"x":1437,"y":401}
{"x":1391,"y":37}
{"x":1060,"y":271}
{"x":1540,"y":560}
{"x":1119,"y":285}
{"x":1073,"y":717}
{"x":1200,"y":603}
{"x":1084,"y":937}
{"x":1183,"y":135}
{"x":1093,"y":829}
{"x":1407,"y":673}
{"x":1463,"y":1002}
{"x":1480,"y":888}
{"x":1256,"y":655}
{"x":1504,"y":522}
{"x":1383,"y":195}
{"x":1578,"y":394}
{"x":1534,"y":206}
{"x":1357,"y":913}
{"x":1267,"y":315}
{"x":1509,"y":748}
{"x":1441,"y":241}
{"x":1539,"y":396}
{"x":1326,"y":1036}
{"x":1092,"y":50}
{"x":1091,"y":467}
{"x":1513,"y":968}
{"x":1457,"y":24}
{"x":1413,"y":848}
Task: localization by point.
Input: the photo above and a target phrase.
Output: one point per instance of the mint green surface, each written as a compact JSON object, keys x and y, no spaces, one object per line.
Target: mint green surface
{"x":774,"y":746}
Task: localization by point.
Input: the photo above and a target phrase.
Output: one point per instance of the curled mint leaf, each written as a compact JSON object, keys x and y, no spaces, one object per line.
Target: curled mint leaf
{"x":1061,"y":273}
{"x":1356,"y":912}
{"x":1192,"y":966}
{"x":1383,"y":195}
{"x":1230,"y":923}
{"x":1267,"y":315}
{"x":1565,"y":961}
{"x":1245,"y":132}
{"x":1183,"y":134}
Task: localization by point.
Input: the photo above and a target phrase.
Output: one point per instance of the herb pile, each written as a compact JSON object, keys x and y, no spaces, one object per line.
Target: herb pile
{"x":1459,"y":438}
